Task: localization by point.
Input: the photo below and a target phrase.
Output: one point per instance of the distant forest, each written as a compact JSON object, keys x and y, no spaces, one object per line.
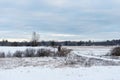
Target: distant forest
{"x":63,"y":43}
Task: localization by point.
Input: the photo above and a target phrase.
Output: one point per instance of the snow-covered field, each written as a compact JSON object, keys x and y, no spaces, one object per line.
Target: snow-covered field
{"x":11,"y":50}
{"x":40,"y":73}
{"x":55,"y":68}
{"x":88,"y":50}
{"x":91,"y":50}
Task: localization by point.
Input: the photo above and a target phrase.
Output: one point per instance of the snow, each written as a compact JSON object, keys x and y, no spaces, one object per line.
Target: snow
{"x":91,"y":50}
{"x":91,"y":56}
{"x":9,"y":49}
{"x":55,"y":68}
{"x":40,"y":73}
{"x":88,"y":50}
{"x":52,"y":62}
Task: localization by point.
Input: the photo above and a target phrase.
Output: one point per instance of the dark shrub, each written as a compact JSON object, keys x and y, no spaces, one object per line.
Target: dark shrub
{"x":43,"y":52}
{"x":18,"y":54}
{"x":63,"y":52}
{"x":38,"y":53}
{"x":2,"y":54}
{"x":9,"y":55}
{"x":29,"y":53}
{"x":115,"y":51}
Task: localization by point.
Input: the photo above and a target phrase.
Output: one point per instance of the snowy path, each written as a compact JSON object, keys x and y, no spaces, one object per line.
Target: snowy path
{"x":89,"y":60}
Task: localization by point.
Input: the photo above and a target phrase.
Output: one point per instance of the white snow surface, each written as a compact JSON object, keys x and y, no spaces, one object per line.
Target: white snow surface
{"x":50,"y":68}
{"x":9,"y":49}
{"x":91,"y":50}
{"x":88,"y":50}
{"x":41,"y":73}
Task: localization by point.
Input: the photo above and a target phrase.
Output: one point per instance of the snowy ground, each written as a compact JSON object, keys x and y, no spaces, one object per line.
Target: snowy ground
{"x":55,"y":68}
{"x":88,"y":50}
{"x":40,"y":73}
{"x":8,"y":49}
{"x":91,"y":50}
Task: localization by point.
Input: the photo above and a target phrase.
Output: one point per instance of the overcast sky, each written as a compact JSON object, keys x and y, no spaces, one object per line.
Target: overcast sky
{"x":60,"y":19}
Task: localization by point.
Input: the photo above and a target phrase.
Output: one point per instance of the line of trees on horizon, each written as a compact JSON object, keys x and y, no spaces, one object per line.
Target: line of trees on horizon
{"x":36,"y":42}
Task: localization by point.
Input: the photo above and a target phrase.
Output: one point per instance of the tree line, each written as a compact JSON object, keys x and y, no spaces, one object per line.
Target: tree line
{"x":36,"y":37}
{"x":63,"y":43}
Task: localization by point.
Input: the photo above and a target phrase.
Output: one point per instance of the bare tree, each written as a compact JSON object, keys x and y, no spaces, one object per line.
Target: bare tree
{"x":35,"y":39}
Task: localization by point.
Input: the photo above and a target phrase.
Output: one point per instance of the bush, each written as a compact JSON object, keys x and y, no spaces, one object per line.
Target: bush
{"x":2,"y":54}
{"x":17,"y":54}
{"x":9,"y":55}
{"x":43,"y":52}
{"x":38,"y":53}
{"x":63,"y":52}
{"x":29,"y":53}
{"x":115,"y":51}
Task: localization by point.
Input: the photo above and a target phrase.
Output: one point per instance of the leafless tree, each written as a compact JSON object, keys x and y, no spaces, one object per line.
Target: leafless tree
{"x":35,"y":39}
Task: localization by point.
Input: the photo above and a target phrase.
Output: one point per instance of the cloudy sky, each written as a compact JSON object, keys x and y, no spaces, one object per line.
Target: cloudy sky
{"x":60,"y":19}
